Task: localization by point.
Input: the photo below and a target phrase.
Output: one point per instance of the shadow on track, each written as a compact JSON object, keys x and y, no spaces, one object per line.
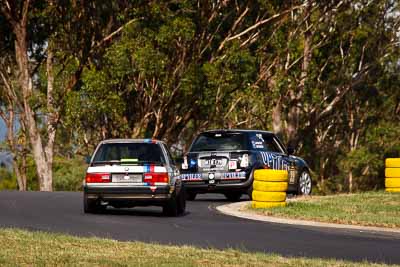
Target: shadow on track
{"x":150,"y":211}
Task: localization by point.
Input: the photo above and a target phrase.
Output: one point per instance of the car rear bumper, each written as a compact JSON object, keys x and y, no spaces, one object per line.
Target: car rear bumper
{"x":219,"y":185}
{"x":125,"y":193}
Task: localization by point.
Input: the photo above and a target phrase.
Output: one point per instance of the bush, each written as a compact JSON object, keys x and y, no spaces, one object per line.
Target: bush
{"x":8,"y":181}
{"x":68,"y":174}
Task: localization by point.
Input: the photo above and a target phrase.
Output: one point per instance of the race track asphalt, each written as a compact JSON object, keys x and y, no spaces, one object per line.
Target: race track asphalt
{"x":201,"y":226}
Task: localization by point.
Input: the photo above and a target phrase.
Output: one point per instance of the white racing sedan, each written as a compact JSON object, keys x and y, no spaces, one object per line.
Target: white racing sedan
{"x":133,"y":172}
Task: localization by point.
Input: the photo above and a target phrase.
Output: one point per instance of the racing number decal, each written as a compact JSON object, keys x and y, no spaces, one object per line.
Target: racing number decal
{"x":292,"y":174}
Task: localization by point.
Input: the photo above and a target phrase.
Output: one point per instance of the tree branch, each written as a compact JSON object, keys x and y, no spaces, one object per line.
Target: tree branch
{"x":111,"y":35}
{"x":258,"y":24}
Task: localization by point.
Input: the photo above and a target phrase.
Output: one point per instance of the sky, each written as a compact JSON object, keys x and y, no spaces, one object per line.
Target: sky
{"x":3,"y":131}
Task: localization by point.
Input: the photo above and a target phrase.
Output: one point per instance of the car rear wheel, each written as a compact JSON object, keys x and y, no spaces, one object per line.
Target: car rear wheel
{"x":304,"y":186}
{"x":89,"y":205}
{"x":233,"y":196}
{"x":182,"y":201}
{"x":171,"y":208}
{"x":176,"y":205}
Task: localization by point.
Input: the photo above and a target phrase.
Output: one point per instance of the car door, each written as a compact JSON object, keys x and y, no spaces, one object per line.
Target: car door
{"x":290,"y":160}
{"x":172,"y":169}
{"x":271,"y":153}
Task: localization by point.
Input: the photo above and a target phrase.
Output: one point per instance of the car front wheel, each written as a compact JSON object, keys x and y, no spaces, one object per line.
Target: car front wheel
{"x":304,"y":186}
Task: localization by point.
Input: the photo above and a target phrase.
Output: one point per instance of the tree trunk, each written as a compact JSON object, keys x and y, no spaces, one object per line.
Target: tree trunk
{"x":350,"y":181}
{"x":18,"y":167}
{"x":277,"y":118}
{"x":296,"y":94}
{"x":43,"y":164}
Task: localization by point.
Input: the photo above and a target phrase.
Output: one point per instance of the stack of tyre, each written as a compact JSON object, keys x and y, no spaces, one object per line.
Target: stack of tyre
{"x":269,"y":188}
{"x":392,"y":174}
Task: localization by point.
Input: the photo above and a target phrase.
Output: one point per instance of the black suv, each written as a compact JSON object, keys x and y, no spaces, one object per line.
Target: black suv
{"x":223,"y":161}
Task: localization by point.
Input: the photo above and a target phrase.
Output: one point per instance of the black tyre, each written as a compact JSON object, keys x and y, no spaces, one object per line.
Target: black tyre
{"x":191,"y":196}
{"x":171,"y":207}
{"x":233,"y":196}
{"x":89,"y":205}
{"x":250,"y":192}
{"x":181,"y":201}
{"x":304,"y":185}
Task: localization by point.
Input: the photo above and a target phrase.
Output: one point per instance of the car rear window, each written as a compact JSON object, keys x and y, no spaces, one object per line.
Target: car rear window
{"x":219,"y":142}
{"x":135,"y":152}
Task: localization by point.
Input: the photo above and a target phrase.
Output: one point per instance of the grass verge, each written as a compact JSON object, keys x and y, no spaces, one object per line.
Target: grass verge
{"x":23,"y":248}
{"x":380,"y":209}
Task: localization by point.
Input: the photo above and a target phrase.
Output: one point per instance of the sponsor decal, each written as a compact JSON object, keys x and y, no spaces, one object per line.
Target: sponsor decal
{"x":260,"y":137}
{"x":232,"y":164}
{"x":233,"y":175}
{"x":128,"y":161}
{"x":274,"y":161}
{"x":257,"y":144}
{"x":190,"y":176}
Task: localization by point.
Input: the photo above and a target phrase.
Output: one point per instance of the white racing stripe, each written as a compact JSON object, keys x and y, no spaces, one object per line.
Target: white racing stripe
{"x":122,"y":169}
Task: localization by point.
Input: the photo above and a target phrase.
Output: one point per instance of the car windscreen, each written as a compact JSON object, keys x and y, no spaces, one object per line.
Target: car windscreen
{"x":219,"y":142}
{"x":130,"y":152}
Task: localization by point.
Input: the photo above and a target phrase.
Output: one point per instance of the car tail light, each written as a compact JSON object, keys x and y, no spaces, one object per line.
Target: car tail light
{"x":98,"y":177}
{"x":156,"y":177}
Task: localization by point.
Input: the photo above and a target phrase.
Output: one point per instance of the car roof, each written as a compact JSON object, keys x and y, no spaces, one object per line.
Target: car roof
{"x":128,"y":140}
{"x":237,"y":131}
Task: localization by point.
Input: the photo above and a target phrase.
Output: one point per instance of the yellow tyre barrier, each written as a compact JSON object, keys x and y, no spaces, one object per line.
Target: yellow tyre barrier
{"x":392,"y":182}
{"x":264,"y":205}
{"x":392,"y":172}
{"x":269,"y":196}
{"x":268,"y":175}
{"x":393,"y":163}
{"x":270,"y":186}
{"x":393,"y":190}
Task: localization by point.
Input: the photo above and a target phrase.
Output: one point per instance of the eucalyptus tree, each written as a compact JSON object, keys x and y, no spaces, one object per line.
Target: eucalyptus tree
{"x":53,"y":42}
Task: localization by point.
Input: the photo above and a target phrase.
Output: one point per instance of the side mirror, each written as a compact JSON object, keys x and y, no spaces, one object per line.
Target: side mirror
{"x":87,"y":159}
{"x":290,"y":150}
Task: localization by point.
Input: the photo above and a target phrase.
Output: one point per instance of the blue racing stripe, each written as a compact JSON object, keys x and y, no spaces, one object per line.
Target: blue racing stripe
{"x":146,"y":168}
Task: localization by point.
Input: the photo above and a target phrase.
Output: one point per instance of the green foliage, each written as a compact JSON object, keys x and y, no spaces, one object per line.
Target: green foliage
{"x":66,"y":250}
{"x":7,"y":180}
{"x":69,"y":174}
{"x":325,"y":75}
{"x":375,"y":208}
